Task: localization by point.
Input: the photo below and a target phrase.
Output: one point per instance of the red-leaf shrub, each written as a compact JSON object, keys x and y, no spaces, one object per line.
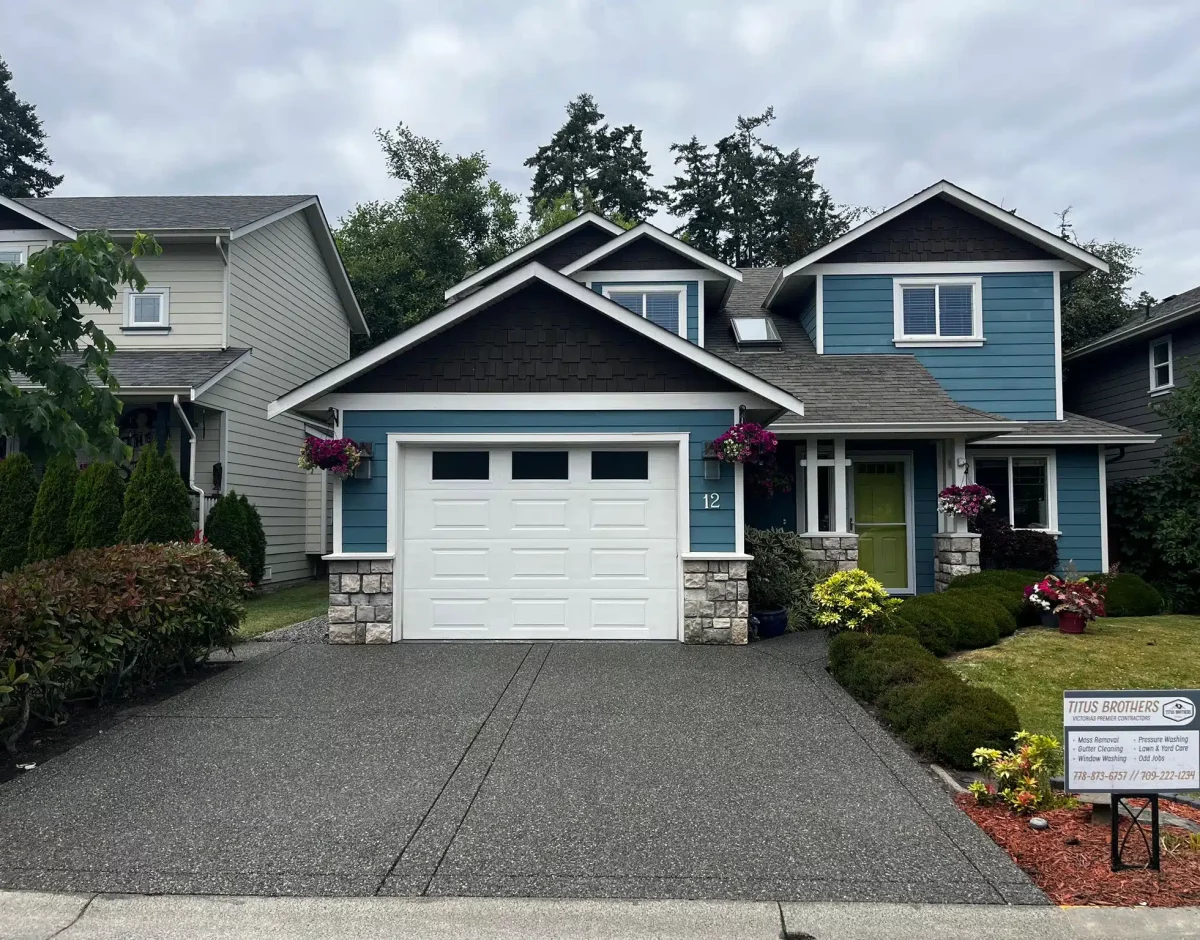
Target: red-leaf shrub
{"x":97,"y":622}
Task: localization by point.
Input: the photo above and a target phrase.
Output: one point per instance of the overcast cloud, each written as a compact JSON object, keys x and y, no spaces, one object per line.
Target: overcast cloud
{"x":1035,"y":105}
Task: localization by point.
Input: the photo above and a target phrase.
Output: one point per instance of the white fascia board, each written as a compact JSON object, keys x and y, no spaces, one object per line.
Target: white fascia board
{"x":272,"y":218}
{"x":646,"y":230}
{"x":209,"y":383}
{"x":533,"y":247}
{"x":34,"y":216}
{"x":498,"y":289}
{"x":667,"y":274}
{"x":801,"y":428}
{"x":1141,"y":329}
{"x":537,"y":401}
{"x":981,"y":207}
{"x":1090,"y":438}
{"x":948,"y":268}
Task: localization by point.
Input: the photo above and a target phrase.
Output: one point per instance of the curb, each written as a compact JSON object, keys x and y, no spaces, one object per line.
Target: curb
{"x":946,"y":779}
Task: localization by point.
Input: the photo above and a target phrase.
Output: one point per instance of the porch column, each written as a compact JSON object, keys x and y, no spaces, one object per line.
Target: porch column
{"x":956,"y":548}
{"x":837,"y":549}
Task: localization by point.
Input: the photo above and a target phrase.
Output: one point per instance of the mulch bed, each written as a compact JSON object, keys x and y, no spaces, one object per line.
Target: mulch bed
{"x":1070,"y":861}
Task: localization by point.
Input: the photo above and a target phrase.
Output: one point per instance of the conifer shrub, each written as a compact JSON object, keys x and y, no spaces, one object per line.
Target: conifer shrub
{"x":95,"y":518}
{"x":234,"y":526}
{"x":50,"y":529}
{"x":157,"y":505}
{"x":256,"y":561}
{"x":18,"y":495}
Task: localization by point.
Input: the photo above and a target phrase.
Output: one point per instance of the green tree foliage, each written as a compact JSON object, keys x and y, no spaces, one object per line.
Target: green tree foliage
{"x":234,"y":526}
{"x":95,"y":519}
{"x":45,"y":336}
{"x":24,"y":162}
{"x":562,"y":210}
{"x":256,"y":562}
{"x":157,"y":506}
{"x":18,"y":494}
{"x":50,"y":531}
{"x":1095,"y":303}
{"x":589,"y":165}
{"x":450,"y":220}
{"x":748,"y":202}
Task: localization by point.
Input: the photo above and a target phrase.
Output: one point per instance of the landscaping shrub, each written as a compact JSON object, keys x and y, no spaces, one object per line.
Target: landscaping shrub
{"x":233,"y":526}
{"x":780,"y":574}
{"x":1006,"y":579}
{"x":18,"y":494}
{"x":852,"y":600}
{"x":256,"y":562}
{"x":97,"y":622}
{"x":157,"y":506}
{"x":894,"y":661}
{"x":50,"y":529}
{"x":95,"y":517}
{"x":1130,"y":596}
{"x":1002,"y":546}
{"x":975,"y":617}
{"x":1021,"y":777}
{"x":927,"y":617}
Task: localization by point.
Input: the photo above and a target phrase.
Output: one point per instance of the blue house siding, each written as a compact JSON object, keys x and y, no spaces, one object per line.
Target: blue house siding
{"x":776,"y":511}
{"x":364,"y":502}
{"x":1079,"y":508}
{"x":808,"y":315}
{"x":1012,"y":374}
{"x":692,"y":302}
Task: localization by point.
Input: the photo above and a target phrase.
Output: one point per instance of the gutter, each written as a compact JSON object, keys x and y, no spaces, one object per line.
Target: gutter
{"x":1132,"y":332}
{"x":187,"y":426}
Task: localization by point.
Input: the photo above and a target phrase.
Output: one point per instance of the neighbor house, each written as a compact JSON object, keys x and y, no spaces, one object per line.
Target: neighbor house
{"x":1123,"y":374}
{"x":248,"y":297}
{"x":540,"y":467}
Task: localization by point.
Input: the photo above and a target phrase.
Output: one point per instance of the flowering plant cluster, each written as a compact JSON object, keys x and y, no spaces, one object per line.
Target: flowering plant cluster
{"x":852,"y":600}
{"x":339,"y":456}
{"x":769,"y":479}
{"x":745,"y":443}
{"x":969,"y":500}
{"x":1079,"y":596}
{"x":1021,"y":777}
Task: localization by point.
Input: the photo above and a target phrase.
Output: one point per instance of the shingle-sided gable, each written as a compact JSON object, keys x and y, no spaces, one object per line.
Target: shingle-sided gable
{"x":644,"y":254}
{"x":571,"y":248}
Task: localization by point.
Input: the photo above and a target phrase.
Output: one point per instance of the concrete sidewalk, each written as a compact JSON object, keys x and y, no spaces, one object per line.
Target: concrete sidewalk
{"x":36,"y":916}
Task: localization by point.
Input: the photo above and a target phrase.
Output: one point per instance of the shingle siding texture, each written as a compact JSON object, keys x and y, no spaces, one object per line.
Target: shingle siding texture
{"x":645,"y":254}
{"x":572,"y":247}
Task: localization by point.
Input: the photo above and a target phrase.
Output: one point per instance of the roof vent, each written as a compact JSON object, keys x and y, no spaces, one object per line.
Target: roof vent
{"x":755,"y":332}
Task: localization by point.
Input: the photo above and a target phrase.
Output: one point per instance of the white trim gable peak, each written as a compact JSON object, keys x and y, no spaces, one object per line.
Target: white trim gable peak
{"x":646,"y":230}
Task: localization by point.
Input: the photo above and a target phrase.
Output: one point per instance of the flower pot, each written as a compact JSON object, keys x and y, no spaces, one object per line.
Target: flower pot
{"x":769,"y":623}
{"x":1049,"y":620}
{"x":1070,"y":621}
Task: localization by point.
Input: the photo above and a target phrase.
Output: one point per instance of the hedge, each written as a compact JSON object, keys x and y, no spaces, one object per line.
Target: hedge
{"x":50,"y":529}
{"x":18,"y":494}
{"x":96,"y":509}
{"x":98,"y":622}
{"x":937,"y":713}
{"x":1130,"y":596}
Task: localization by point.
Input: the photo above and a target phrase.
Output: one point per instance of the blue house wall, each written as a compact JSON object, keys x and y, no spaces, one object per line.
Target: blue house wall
{"x":1012,"y":374}
{"x":692,"y":301}
{"x":364,"y":502}
{"x":1079,"y":508}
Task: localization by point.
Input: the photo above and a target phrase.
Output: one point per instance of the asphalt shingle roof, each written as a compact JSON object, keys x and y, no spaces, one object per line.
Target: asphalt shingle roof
{"x":139,"y":368}
{"x":1141,"y":324}
{"x":126,"y":213}
{"x":1073,"y":425}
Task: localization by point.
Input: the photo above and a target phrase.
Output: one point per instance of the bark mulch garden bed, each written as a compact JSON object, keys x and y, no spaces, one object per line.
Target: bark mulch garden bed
{"x":1070,"y":861}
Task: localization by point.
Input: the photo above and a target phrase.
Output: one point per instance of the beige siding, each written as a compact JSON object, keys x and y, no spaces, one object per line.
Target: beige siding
{"x":26,"y":242}
{"x":282,"y":305}
{"x":315,"y":505}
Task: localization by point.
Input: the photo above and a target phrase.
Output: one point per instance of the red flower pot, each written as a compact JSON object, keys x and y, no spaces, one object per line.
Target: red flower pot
{"x":1070,"y":621}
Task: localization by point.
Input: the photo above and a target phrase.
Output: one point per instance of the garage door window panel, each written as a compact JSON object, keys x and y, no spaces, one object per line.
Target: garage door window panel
{"x":539,"y":465}
{"x":461,"y":465}
{"x":620,"y":465}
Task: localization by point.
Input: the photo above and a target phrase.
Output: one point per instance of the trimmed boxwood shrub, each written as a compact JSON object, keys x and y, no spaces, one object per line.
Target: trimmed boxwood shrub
{"x":96,"y":509}
{"x":256,"y":562}
{"x":18,"y":494}
{"x":1014,"y":580}
{"x":893,"y":661}
{"x":1130,"y":596}
{"x":927,"y":617}
{"x":157,"y":505}
{"x":97,"y":622}
{"x":50,"y":530}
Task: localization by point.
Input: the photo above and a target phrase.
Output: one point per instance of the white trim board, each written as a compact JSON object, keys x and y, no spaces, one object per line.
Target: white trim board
{"x":1103,"y":470}
{"x":901,"y":338}
{"x":1170,"y":363}
{"x":665,"y":275}
{"x":537,"y":401}
{"x":949,"y":268}
{"x":785,"y":428}
{"x":1058,"y":349}
{"x":1090,"y":438}
{"x":34,"y":216}
{"x":213,"y":380}
{"x":646,"y":230}
{"x":501,"y":288}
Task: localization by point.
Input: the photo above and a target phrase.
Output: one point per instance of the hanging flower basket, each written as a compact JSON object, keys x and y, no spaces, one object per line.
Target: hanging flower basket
{"x":767,"y":478}
{"x":969,"y":500}
{"x":745,"y":443}
{"x":340,"y":456}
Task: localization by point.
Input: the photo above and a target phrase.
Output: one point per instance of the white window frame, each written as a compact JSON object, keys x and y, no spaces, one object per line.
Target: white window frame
{"x":1051,"y":483}
{"x":164,"y":308}
{"x":22,"y":252}
{"x":903,"y":339}
{"x":644,"y":289}
{"x":1156,"y":389}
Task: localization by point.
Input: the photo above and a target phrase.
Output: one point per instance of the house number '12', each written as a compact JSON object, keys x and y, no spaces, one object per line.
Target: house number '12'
{"x":712,"y":500}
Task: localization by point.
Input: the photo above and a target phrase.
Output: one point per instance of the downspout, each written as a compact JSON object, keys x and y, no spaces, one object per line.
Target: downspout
{"x":187,"y":426}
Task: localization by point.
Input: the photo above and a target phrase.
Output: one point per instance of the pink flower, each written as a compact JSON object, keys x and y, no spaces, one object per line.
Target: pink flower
{"x":745,"y":443}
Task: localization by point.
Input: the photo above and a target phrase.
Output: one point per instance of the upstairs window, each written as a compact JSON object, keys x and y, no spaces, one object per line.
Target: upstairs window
{"x":939,"y":311}
{"x":661,"y":305}
{"x":12,"y":256}
{"x":148,"y":309}
{"x":1162,"y":369}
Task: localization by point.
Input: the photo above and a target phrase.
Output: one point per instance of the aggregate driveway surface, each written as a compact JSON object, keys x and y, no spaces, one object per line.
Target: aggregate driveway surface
{"x":558,"y":769}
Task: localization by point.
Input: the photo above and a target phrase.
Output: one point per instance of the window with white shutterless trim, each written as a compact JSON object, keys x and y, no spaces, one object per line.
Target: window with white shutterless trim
{"x":1162,"y":366}
{"x":11,"y":255}
{"x":149,"y":309}
{"x":665,"y":305}
{"x":1025,"y":486}
{"x":938,"y":311}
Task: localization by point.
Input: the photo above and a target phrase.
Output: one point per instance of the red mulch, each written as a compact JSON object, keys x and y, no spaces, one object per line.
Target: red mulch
{"x":1070,"y":860}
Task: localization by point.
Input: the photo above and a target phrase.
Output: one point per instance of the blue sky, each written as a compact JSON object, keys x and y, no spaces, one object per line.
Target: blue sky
{"x":1089,"y":103}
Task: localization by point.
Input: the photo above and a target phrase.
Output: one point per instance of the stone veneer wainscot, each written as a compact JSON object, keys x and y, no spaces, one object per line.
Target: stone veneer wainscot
{"x":360,"y":601}
{"x":716,"y":601}
{"x":957,"y":554}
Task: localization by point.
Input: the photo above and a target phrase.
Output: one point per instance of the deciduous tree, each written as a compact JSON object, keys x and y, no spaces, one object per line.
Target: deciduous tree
{"x":1095,"y":303}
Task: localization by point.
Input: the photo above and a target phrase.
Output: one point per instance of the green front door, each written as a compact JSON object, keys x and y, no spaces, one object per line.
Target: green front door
{"x":880,"y":521}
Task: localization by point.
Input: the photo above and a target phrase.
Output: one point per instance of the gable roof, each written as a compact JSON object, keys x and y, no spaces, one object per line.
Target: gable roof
{"x":1059,"y":247}
{"x":509,"y":284}
{"x":528,"y":251}
{"x":162,"y":371}
{"x":1176,"y":309}
{"x":646,"y":230}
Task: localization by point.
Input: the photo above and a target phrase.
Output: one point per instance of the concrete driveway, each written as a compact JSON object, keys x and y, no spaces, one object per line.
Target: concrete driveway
{"x":636,"y":770}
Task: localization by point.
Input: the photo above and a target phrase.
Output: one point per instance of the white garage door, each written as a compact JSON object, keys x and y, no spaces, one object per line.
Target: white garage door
{"x":540,"y":543}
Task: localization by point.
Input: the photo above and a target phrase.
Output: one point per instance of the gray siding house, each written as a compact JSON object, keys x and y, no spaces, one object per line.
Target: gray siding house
{"x":1120,"y":376}
{"x":248,"y":297}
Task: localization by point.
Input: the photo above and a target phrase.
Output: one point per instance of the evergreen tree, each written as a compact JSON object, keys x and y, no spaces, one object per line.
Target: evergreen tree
{"x":1096,"y":303}
{"x":225,"y":528}
{"x":95,"y":519}
{"x":24,"y":163}
{"x":18,"y":494}
{"x":593,"y":167}
{"x":50,"y":530}
{"x":256,"y":541}
{"x":157,"y":506}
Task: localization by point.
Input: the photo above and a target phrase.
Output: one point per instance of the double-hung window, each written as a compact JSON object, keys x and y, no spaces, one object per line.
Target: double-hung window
{"x":1024,"y":485}
{"x":664,"y":305}
{"x":148,"y":309}
{"x":938,"y":311}
{"x":1162,"y":368}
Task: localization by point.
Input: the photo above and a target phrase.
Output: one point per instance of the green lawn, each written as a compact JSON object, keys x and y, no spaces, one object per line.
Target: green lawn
{"x":284,"y":607}
{"x":1032,"y":668}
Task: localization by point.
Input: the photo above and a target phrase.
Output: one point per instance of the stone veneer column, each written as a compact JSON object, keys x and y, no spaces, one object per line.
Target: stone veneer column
{"x":955,"y":554}
{"x":360,"y":601}
{"x":832,"y":552}
{"x":716,"y":601}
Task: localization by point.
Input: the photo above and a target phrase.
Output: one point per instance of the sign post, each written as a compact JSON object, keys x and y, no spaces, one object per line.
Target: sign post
{"x":1133,"y":743}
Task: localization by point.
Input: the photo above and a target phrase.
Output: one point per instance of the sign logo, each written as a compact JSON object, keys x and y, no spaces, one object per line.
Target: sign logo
{"x":1179,"y":710}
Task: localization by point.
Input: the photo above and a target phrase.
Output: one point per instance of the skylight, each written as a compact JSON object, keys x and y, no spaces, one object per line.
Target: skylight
{"x":755,"y":331}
